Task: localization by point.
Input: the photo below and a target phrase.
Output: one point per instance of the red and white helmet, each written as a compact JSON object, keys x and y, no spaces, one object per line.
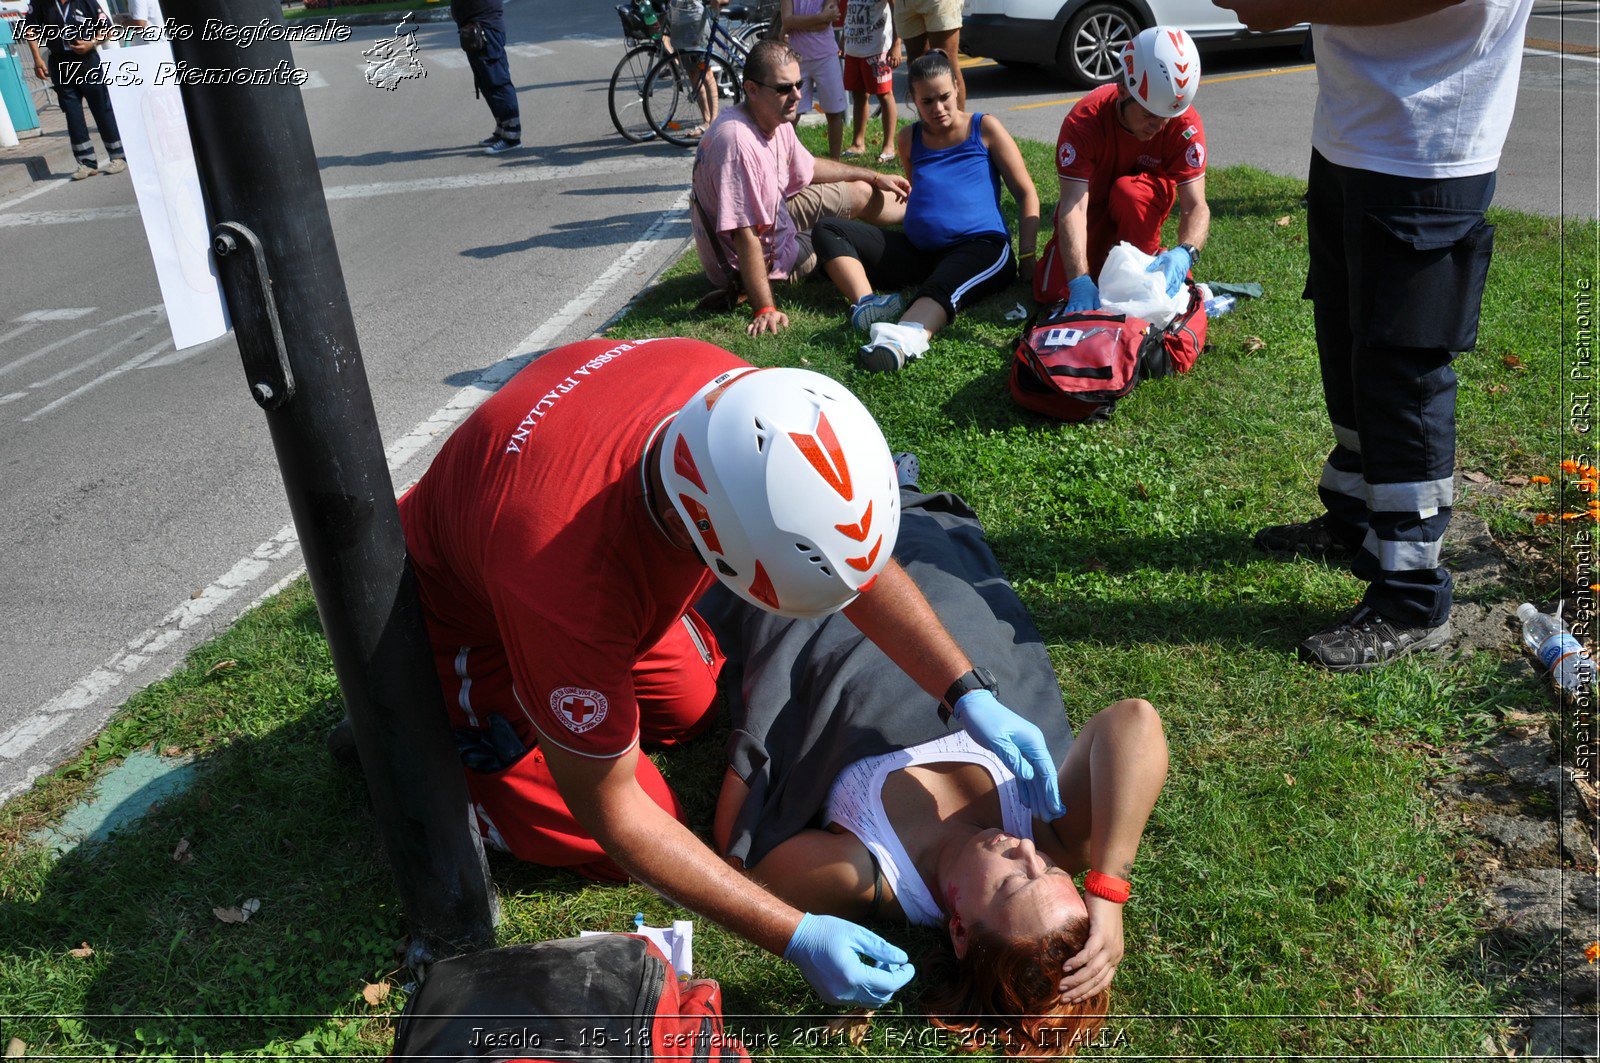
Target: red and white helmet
{"x":786,"y":486}
{"x":1161,"y":69}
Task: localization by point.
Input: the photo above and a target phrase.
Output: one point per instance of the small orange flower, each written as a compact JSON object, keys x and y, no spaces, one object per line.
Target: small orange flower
{"x":1592,"y":953}
{"x":1594,"y":586}
{"x":1570,"y":466}
{"x":1573,"y":516}
{"x":1542,"y":518}
{"x":1539,"y":479}
{"x":1584,"y":485}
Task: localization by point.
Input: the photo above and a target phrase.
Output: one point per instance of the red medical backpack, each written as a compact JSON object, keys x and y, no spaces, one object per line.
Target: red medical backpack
{"x":1075,"y":366}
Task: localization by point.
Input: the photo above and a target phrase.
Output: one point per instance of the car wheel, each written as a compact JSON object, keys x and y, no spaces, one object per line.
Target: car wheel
{"x":1091,"y":48}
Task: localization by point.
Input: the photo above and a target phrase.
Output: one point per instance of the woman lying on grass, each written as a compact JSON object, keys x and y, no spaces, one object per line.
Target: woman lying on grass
{"x":846,"y":794}
{"x":955,"y":244}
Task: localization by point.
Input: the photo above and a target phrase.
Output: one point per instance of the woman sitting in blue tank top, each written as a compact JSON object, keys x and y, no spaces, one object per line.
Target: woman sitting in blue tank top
{"x":955,"y":246}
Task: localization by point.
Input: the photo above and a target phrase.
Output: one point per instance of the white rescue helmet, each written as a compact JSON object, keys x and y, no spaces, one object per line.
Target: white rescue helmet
{"x":1161,"y":69}
{"x":786,"y":486}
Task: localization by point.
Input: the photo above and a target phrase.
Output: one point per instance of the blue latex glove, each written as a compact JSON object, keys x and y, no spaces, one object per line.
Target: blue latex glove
{"x":846,"y":963}
{"x":1175,"y":264}
{"x":1018,"y":743}
{"x":1082,"y":294}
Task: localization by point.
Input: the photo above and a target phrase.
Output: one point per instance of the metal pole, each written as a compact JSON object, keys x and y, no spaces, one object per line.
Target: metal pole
{"x":291,"y":314}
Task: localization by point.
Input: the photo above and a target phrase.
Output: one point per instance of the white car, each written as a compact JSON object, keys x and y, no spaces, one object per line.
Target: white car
{"x":1083,"y":39}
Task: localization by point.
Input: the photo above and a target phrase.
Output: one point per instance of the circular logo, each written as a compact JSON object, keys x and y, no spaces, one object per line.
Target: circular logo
{"x":580,"y":708}
{"x":1196,"y":155}
{"x":1068,"y":154}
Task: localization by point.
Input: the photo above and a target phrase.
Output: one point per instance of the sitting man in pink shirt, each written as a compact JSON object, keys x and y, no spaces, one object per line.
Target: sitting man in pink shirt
{"x":758,"y":192}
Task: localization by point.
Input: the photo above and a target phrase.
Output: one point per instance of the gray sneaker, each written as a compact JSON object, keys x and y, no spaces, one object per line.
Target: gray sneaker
{"x":1364,"y":640}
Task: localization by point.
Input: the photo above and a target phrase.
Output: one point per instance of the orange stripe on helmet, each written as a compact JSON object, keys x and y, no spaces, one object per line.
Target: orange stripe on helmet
{"x":828,"y":458}
{"x":683,"y":463}
{"x":761,"y":588}
{"x":702,"y":522}
{"x":861,"y":564}
{"x":858,"y":532}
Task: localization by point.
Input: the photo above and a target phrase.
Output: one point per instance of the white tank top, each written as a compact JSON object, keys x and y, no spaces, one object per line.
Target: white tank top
{"x":856,"y":804}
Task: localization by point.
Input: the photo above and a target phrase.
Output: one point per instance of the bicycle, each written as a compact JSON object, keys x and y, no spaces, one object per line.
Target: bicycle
{"x":684,"y":87}
{"x":642,"y":23}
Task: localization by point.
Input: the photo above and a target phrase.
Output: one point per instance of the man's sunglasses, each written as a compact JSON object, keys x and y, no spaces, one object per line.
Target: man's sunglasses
{"x":783,"y":88}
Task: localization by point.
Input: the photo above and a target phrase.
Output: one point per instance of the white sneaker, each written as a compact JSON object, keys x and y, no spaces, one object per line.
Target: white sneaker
{"x":115,"y":166}
{"x":83,"y":172}
{"x":893,"y":345}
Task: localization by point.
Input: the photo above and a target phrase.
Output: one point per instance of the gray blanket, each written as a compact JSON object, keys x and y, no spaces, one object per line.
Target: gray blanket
{"x":815,"y":696}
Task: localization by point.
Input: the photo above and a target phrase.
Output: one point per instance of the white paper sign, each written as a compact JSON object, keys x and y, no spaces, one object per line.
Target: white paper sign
{"x":155,"y":136}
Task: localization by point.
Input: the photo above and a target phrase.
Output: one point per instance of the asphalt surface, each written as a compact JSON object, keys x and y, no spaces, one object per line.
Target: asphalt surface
{"x":140,"y":505}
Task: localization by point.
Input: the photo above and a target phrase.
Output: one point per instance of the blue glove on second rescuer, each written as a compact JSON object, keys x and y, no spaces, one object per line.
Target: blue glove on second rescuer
{"x":1018,"y":743}
{"x":1175,"y":264}
{"x":846,"y":963}
{"x":1082,"y":294}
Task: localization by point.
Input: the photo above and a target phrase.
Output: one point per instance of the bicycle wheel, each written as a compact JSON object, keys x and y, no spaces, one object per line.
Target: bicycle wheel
{"x":626,"y":98}
{"x":749,"y":34}
{"x":676,"y":88}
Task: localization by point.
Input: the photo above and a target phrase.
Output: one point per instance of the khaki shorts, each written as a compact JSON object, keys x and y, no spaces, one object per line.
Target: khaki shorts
{"x":917,"y":18}
{"x":807,"y":207}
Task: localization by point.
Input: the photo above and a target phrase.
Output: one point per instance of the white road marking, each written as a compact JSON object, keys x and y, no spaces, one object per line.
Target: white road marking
{"x":71,"y":313}
{"x":94,"y":359}
{"x":441,"y":58}
{"x":1566,"y":56}
{"x":132,"y":363}
{"x":75,"y":337}
{"x":178,"y":357}
{"x":314,"y":80}
{"x":489,"y":381}
{"x":21,"y":330}
{"x":127,"y":662}
{"x":593,"y":40}
{"x":45,"y":186}
{"x":529,"y":51}
{"x":517,"y":175}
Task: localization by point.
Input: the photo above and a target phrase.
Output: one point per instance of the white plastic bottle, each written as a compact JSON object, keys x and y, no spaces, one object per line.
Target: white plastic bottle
{"x":1558,"y":651}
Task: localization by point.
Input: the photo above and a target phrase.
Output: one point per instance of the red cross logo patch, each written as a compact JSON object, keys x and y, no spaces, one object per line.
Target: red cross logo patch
{"x":579,"y":708}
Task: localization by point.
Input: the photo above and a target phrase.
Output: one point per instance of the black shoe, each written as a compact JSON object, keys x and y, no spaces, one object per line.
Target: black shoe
{"x":1364,"y":640}
{"x":1312,"y":538}
{"x":342,"y":745}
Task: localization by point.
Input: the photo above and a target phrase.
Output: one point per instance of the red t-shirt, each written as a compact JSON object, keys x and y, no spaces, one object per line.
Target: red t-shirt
{"x":1094,"y":147}
{"x":529,"y":532}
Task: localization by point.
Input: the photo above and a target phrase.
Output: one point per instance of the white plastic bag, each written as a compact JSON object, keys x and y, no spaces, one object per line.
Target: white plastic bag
{"x":1127,"y":288}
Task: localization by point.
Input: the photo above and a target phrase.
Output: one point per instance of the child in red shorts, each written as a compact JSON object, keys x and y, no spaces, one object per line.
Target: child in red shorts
{"x":871,"y":52}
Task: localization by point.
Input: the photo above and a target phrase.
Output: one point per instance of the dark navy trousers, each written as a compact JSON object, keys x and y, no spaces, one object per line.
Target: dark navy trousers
{"x":491,"y":73}
{"x":78,"y":80}
{"x":1398,"y":266}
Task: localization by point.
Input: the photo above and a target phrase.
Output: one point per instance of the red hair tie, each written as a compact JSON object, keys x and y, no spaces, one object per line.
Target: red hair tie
{"x":1107,"y":887}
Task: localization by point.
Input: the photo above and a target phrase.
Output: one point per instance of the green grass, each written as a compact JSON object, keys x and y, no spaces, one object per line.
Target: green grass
{"x":1298,"y":891}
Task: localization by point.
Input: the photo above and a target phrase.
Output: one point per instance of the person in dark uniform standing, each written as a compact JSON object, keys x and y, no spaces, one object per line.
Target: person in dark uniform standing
{"x":72,"y":31}
{"x":1414,"y":100}
{"x":483,"y":37}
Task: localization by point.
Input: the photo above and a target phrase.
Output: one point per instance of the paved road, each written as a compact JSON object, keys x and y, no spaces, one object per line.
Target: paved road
{"x":133,"y":477}
{"x":1258,"y":108}
{"x":140,"y":506}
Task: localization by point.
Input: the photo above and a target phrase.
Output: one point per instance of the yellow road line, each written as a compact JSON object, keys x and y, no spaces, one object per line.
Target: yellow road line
{"x":1206,"y":81}
{"x":1570,"y":47}
{"x":969,"y":61}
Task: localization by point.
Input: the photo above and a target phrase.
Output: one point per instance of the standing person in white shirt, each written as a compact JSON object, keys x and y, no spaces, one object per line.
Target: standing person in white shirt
{"x":871,"y":53}
{"x":146,"y":14}
{"x":1414,"y":101}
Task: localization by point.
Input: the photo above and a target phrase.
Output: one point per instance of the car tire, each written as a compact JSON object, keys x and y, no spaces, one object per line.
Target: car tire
{"x":1091,"y":47}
